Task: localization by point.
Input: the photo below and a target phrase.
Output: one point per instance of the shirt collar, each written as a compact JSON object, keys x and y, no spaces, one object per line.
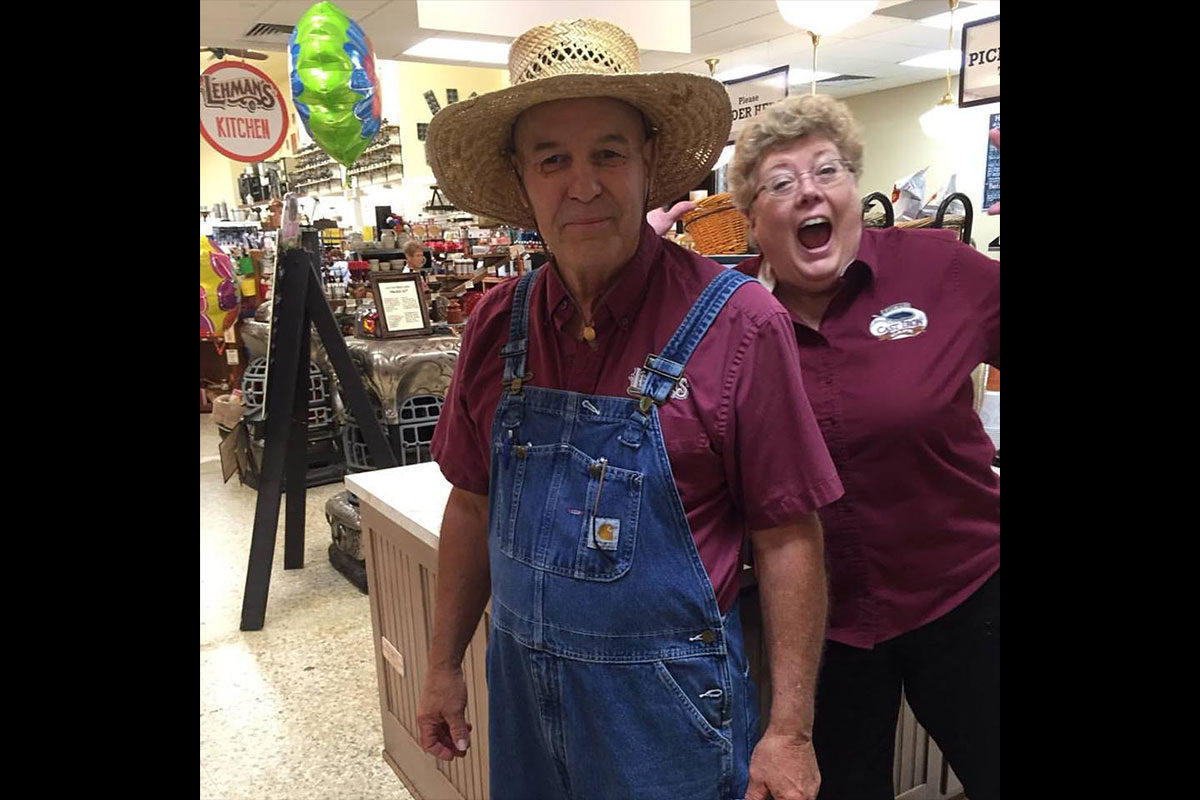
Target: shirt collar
{"x":866,"y":256}
{"x":623,"y":298}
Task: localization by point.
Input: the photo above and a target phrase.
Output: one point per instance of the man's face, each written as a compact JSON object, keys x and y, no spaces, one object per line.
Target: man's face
{"x":585,"y":164}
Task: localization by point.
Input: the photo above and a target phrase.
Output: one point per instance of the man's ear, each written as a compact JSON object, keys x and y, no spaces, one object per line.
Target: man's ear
{"x":649,"y":160}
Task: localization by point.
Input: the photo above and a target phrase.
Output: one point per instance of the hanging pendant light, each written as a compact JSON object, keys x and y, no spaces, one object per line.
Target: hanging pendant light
{"x":942,"y":121}
{"x":823,"y":18}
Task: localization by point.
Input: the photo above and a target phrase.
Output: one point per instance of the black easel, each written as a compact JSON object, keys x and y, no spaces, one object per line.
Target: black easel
{"x":300,"y":303}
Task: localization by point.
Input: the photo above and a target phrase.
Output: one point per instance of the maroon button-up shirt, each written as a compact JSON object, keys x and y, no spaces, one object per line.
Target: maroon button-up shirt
{"x":744,"y":447}
{"x":918,"y":529}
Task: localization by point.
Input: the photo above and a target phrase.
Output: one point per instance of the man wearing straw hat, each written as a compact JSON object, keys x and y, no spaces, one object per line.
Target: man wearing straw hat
{"x":619,"y":421}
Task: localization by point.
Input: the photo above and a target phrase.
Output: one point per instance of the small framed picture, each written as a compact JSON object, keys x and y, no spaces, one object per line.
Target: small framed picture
{"x":401,"y":305}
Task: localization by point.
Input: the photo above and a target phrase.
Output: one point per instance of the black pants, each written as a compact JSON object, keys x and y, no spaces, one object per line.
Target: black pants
{"x":950,"y":673}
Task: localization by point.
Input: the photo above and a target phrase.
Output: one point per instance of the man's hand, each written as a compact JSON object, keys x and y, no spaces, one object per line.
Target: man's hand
{"x":462,"y":591}
{"x":663,"y":221}
{"x":440,"y":717}
{"x":784,"y":768}
{"x":994,"y":208}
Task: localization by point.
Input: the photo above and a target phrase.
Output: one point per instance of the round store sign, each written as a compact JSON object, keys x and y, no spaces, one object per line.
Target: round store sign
{"x":242,"y":113}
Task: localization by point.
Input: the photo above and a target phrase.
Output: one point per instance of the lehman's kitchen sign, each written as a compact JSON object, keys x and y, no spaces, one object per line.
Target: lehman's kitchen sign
{"x":242,"y":113}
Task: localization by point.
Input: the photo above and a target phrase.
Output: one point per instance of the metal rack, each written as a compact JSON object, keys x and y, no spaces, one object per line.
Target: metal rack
{"x":315,"y":169}
{"x":939,"y":220}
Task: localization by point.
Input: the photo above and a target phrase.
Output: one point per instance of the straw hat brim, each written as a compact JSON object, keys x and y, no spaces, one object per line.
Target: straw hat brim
{"x":467,"y":142}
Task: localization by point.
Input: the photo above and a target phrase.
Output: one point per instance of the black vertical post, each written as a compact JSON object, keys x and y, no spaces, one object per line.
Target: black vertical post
{"x":296,"y":470}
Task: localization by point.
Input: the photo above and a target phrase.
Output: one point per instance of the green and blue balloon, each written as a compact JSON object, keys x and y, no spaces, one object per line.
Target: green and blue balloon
{"x":334,"y":85}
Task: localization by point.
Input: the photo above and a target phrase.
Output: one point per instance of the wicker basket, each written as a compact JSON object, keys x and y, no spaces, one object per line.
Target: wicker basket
{"x":716,"y":226}
{"x":952,"y":221}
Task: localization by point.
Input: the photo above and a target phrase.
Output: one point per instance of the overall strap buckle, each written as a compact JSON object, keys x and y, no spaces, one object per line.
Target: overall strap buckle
{"x":515,"y":384}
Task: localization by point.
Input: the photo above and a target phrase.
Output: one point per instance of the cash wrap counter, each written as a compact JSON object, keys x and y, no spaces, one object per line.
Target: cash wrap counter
{"x":401,"y":516}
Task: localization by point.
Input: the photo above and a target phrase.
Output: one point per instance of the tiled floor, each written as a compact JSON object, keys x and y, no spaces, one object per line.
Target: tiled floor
{"x":291,"y":711}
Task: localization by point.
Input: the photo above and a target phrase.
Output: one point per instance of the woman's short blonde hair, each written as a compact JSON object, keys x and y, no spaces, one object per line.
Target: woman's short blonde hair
{"x":783,"y":123}
{"x":413,"y":246}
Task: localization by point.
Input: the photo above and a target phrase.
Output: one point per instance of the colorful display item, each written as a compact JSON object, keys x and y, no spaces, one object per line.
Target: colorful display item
{"x":218,"y":291}
{"x":334,"y":85}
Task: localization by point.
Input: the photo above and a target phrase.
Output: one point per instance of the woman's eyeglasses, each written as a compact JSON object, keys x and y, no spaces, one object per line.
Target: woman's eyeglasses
{"x":784,"y":184}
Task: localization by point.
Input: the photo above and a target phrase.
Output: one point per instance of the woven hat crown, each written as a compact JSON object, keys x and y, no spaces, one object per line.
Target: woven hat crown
{"x":572,"y":47}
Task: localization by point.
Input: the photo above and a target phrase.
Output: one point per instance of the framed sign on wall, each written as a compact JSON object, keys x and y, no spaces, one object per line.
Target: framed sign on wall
{"x":979,"y":76}
{"x":752,"y":95}
{"x":401,"y":305}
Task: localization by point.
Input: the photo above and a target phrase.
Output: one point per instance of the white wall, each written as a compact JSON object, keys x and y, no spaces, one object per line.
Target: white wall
{"x":895,"y":147}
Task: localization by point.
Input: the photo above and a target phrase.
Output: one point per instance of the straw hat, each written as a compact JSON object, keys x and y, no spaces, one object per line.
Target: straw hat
{"x":467,"y":143}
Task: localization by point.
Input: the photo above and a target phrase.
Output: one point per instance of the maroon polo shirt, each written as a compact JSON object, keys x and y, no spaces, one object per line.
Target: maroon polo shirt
{"x":744,"y":447}
{"x":918,"y":529}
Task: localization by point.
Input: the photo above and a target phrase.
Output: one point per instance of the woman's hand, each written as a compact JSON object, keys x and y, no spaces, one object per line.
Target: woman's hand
{"x":663,"y":221}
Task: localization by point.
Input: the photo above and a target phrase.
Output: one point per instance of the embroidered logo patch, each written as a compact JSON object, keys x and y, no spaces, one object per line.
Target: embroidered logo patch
{"x":608,"y":533}
{"x":637,"y":382}
{"x":900,"y":321}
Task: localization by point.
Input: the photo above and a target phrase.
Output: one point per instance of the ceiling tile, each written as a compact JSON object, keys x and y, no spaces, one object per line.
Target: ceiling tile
{"x":871,"y":25}
{"x":289,"y":12}
{"x":221,"y":23}
{"x":874,"y":50}
{"x":912,"y":35}
{"x":716,"y":15}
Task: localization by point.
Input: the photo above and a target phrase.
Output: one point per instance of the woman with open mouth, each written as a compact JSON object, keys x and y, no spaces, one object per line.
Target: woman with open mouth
{"x":890,"y":324}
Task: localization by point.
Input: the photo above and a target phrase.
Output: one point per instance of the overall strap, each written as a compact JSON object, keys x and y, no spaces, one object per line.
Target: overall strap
{"x":512,"y":401}
{"x":515,"y":350}
{"x":664,"y":370}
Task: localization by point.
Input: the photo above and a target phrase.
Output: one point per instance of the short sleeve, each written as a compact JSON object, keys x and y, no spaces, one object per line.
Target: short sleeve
{"x":455,"y":439}
{"x":776,"y":462}
{"x":979,"y":279}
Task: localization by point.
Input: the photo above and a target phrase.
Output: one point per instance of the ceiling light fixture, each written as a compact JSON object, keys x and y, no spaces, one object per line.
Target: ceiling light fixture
{"x":940,"y":122}
{"x":824,"y":17}
{"x":734,"y":73}
{"x":799,"y":76}
{"x":460,"y":50}
{"x":942,"y":59}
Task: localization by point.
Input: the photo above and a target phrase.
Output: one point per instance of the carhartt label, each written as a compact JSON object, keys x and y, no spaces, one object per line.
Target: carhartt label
{"x":608,"y":533}
{"x":392,"y":655}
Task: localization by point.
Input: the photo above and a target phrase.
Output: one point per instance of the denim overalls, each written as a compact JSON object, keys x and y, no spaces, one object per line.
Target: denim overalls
{"x":611,"y":671}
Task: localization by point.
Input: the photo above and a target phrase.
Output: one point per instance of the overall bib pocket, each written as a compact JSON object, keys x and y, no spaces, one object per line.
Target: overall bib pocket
{"x":571,"y":514}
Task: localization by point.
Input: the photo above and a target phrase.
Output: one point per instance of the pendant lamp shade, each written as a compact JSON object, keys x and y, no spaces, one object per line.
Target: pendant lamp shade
{"x":825,"y":17}
{"x":942,"y":122}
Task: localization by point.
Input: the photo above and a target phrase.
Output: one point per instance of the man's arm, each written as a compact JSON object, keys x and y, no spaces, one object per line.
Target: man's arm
{"x":463,"y":586}
{"x":790,"y":564}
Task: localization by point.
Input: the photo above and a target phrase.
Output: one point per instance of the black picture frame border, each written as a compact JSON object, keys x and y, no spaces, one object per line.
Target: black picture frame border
{"x":410,"y":277}
{"x":962,"y":67}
